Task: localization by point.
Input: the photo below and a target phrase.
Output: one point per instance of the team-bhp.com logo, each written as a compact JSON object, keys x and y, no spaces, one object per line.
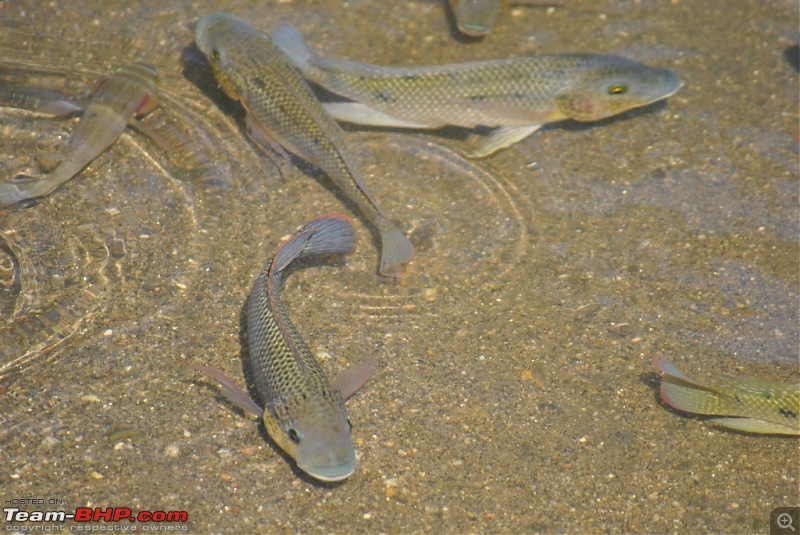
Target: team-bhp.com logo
{"x":97,"y":514}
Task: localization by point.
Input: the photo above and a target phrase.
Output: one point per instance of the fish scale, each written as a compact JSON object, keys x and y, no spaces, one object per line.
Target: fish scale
{"x":283,"y":111}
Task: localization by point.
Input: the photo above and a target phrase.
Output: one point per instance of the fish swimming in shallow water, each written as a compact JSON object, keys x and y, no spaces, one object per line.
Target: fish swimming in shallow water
{"x":283,"y":111}
{"x":475,"y":18}
{"x":752,"y":405}
{"x":129,"y":92}
{"x":302,"y":412}
{"x":515,"y":95}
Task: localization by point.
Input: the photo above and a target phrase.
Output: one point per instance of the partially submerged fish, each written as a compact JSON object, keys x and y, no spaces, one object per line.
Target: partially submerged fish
{"x":516,"y":95}
{"x":302,"y":412}
{"x":283,"y":111}
{"x":475,"y":18}
{"x":129,"y":92}
{"x":753,"y":405}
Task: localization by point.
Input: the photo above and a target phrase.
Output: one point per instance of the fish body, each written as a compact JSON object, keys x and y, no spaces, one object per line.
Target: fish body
{"x":283,"y":111}
{"x":302,"y":412}
{"x":516,"y":95}
{"x":129,"y":92}
{"x":751,"y":405}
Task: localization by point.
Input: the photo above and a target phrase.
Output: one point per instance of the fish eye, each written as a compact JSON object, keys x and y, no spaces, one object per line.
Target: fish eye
{"x":215,"y":55}
{"x":617,"y":89}
{"x":293,"y":436}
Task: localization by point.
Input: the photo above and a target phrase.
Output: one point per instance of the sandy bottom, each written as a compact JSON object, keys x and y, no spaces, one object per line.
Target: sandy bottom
{"x":515,"y":391}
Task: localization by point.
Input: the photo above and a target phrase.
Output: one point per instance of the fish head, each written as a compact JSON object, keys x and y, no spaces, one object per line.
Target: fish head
{"x":212,"y":34}
{"x":316,"y":434}
{"x":610,"y":85}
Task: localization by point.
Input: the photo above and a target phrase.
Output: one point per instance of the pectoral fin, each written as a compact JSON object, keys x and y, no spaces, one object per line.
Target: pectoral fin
{"x":262,"y":135}
{"x":350,"y":380}
{"x":500,"y":138}
{"x":358,"y":113}
{"x":231,"y":390}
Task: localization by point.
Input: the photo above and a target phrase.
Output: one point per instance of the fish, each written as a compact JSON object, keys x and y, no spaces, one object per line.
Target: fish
{"x":515,"y":96}
{"x":475,"y":18}
{"x":751,"y":405}
{"x":282,"y":112}
{"x":302,"y":412}
{"x":129,"y":92}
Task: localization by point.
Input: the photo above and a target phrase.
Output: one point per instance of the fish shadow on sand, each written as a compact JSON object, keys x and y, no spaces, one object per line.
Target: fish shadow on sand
{"x":792,"y":56}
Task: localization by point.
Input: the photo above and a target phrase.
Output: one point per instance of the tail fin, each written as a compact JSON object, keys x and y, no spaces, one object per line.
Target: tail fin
{"x":327,"y":234}
{"x":396,"y":250}
{"x":683,"y":393}
{"x":289,"y":40}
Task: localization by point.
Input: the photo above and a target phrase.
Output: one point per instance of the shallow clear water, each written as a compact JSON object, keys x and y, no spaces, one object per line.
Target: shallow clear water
{"x":515,"y":391}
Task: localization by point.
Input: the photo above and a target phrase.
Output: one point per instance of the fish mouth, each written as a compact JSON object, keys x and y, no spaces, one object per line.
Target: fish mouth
{"x":329,"y":473}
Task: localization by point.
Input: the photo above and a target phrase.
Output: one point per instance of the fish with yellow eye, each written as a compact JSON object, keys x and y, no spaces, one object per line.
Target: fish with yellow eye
{"x":302,"y":412}
{"x":515,"y":96}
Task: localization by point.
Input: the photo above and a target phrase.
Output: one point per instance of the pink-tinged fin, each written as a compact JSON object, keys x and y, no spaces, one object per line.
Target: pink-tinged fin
{"x":353,"y":378}
{"x":669,"y":369}
{"x":231,"y":390}
{"x":147,"y":104}
{"x":690,"y":398}
{"x":751,"y":425}
{"x":682,"y":393}
{"x":327,"y":234}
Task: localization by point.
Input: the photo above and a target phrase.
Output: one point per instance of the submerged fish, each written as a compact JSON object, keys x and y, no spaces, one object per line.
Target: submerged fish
{"x":476,"y":17}
{"x":128,"y":93}
{"x":753,"y":405}
{"x":302,"y":412}
{"x":516,"y":95}
{"x":283,"y":111}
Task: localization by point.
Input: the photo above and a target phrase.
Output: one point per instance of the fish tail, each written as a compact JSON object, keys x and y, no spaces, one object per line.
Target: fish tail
{"x":396,"y":249}
{"x":681,"y":392}
{"x":327,"y":234}
{"x":291,"y":42}
{"x":690,"y":397}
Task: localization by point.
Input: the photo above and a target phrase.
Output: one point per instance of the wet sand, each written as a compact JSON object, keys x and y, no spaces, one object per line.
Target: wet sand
{"x":515,"y":392}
